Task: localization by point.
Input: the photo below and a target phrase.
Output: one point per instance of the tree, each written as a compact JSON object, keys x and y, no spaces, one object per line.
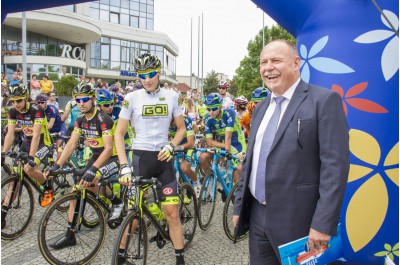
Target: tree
{"x":66,"y":85}
{"x":247,"y":76}
{"x":210,"y":83}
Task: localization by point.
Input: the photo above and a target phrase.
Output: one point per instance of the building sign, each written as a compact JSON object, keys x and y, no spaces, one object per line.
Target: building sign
{"x":127,"y":73}
{"x":75,"y":53}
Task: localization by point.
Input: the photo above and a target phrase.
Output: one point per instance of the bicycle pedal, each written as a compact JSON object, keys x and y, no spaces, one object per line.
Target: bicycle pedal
{"x":153,"y":239}
{"x":223,"y":196}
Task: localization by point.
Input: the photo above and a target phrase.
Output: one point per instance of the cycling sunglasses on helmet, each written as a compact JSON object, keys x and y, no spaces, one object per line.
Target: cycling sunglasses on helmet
{"x":150,"y":75}
{"x":83,"y":100}
{"x":212,"y":109}
{"x":16,"y":101}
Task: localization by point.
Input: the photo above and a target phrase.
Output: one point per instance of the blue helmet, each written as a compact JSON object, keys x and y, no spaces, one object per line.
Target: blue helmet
{"x":103,"y":96}
{"x":259,"y":94}
{"x":213,"y":100}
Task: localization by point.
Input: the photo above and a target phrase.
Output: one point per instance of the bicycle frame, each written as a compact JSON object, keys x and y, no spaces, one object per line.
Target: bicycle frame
{"x":177,"y":157}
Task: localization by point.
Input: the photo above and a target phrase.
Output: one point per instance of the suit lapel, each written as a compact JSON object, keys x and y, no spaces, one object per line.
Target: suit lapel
{"x":298,"y":96}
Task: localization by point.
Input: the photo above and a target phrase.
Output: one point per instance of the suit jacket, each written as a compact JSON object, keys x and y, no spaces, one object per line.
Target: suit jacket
{"x":306,"y":170}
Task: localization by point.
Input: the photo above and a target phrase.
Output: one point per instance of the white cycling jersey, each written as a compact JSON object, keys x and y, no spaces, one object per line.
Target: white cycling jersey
{"x":150,"y":115}
{"x":227,"y":102}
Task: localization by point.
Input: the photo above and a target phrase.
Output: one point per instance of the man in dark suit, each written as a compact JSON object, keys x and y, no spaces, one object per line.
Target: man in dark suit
{"x":295,"y":173}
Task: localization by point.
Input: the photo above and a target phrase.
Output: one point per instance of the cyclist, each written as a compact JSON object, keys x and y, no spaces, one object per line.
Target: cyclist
{"x":223,"y":87}
{"x":71,"y":111}
{"x":187,"y":144}
{"x":33,"y":122}
{"x":224,"y":124}
{"x":257,"y":95}
{"x":54,"y":122}
{"x":240,"y":106}
{"x":150,"y":111}
{"x":96,"y":126}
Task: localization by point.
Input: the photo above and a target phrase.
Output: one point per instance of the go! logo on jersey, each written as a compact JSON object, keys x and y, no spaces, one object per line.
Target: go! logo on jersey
{"x":155,"y":110}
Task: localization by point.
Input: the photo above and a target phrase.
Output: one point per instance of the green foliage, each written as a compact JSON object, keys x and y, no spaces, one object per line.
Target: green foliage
{"x":66,"y":85}
{"x":210,"y":83}
{"x":247,"y":76}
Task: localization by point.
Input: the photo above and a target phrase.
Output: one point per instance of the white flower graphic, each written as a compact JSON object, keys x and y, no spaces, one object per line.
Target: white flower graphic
{"x":322,"y":64}
{"x":390,"y":55}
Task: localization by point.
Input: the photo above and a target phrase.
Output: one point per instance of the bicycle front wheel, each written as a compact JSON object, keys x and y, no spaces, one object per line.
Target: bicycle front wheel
{"x":19,"y":213}
{"x":5,"y":171}
{"x":228,"y":215}
{"x":188,"y":212}
{"x":132,"y":239}
{"x":206,"y":202}
{"x":54,"y":224}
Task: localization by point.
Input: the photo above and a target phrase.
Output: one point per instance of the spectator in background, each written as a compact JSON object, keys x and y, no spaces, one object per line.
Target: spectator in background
{"x":92,"y":81}
{"x":35,"y":87}
{"x":120,"y":89}
{"x":20,"y":75}
{"x":81,"y":79}
{"x":129,"y":87}
{"x":15,"y":79}
{"x":52,"y":99}
{"x":46,"y":84}
{"x":166,"y":85}
{"x":99,"y":83}
{"x":63,"y":72}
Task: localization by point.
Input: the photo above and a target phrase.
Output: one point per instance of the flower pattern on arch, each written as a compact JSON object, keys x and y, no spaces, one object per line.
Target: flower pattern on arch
{"x":322,"y":64}
{"x":368,"y":206}
{"x":390,"y":55}
{"x":389,"y":251}
{"x":357,"y":102}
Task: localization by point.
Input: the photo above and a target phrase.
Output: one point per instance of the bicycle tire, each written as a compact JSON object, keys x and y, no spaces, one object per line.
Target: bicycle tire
{"x":56,"y":221}
{"x":5,"y":171}
{"x":17,"y":216}
{"x":206,"y":203}
{"x":63,"y":180}
{"x":228,"y":214}
{"x":133,"y":240}
{"x":188,"y":212}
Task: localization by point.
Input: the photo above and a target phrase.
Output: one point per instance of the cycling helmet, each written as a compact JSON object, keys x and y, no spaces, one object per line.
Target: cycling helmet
{"x":138,"y":86}
{"x":241,"y":100}
{"x":223,"y":84}
{"x":17,"y":91}
{"x":84,"y":89}
{"x":114,"y":88}
{"x":103,"y":96}
{"x":42,"y":98}
{"x":120,"y":97}
{"x":259,"y":94}
{"x":146,"y":63}
{"x":213,"y":100}
{"x":250,"y":107}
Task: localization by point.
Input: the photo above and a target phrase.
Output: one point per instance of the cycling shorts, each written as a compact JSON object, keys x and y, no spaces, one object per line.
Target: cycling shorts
{"x":43,"y":151}
{"x":146,"y":164}
{"x":110,"y":169}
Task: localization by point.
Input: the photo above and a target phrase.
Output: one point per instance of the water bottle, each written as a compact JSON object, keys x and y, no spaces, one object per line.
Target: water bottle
{"x":156,"y":211}
{"x":222,"y":169}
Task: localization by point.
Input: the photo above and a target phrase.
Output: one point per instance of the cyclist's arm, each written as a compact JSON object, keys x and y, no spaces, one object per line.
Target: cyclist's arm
{"x":10,"y":136}
{"x":107,"y":152}
{"x":70,"y":146}
{"x":228,"y":140}
{"x":37,"y":129}
{"x":119,"y":135}
{"x":190,"y":142}
{"x":212,"y":143}
{"x":181,"y":131}
{"x":66,"y":113}
{"x":51,"y":123}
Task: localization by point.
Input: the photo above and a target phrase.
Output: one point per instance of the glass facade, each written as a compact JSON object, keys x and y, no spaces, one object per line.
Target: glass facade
{"x":115,"y":54}
{"x":133,"y":13}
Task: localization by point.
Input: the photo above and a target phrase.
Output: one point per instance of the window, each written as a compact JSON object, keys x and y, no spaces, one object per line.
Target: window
{"x":105,"y":51}
{"x":150,"y":24}
{"x":116,"y":3}
{"x":142,"y":22}
{"x":94,"y":13}
{"x":134,"y":22}
{"x":104,"y":15}
{"x":114,"y":18}
{"x":150,"y":9}
{"x":142,"y":8}
{"x":124,"y":19}
{"x":125,"y":4}
{"x":115,"y":53}
{"x":114,"y":9}
{"x":134,"y":5}
{"x":69,"y":8}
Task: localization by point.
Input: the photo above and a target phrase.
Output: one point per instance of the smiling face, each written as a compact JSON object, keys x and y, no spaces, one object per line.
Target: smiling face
{"x":279,"y":66}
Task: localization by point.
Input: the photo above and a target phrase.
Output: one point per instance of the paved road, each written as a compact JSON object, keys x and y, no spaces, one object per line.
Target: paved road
{"x":208,"y":247}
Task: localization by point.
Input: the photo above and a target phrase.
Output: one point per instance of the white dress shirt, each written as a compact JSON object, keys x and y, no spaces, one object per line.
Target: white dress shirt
{"x":267,"y":116}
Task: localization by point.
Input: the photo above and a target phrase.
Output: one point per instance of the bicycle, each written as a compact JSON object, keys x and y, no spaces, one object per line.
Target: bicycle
{"x":88,"y":221}
{"x":20,"y":208}
{"x":133,"y":234}
{"x":208,"y":191}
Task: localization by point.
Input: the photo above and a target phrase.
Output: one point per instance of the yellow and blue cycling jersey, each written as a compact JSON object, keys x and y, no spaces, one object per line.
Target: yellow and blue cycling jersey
{"x":189,"y":130}
{"x":227,"y":122}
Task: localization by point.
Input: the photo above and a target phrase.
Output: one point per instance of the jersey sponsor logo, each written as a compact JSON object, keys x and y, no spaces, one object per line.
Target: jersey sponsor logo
{"x":103,"y":127}
{"x":155,"y":110}
{"x":27,"y":131}
{"x":125,"y":103}
{"x":167,"y":191}
{"x":93,"y":142}
{"x":162,"y":99}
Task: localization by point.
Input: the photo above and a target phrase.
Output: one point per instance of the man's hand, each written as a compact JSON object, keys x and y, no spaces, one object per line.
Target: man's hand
{"x":88,"y":177}
{"x":125,"y":173}
{"x":166,"y":153}
{"x":235,"y":220}
{"x":317,"y":239}
{"x":31,"y":161}
{"x":51,"y":170}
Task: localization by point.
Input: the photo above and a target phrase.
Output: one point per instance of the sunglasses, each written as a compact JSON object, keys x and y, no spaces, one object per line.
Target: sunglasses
{"x":222,"y":88}
{"x":108,"y":105}
{"x":41,"y":103}
{"x":150,"y":75}
{"x":83,"y":100}
{"x":16,"y":101}
{"x":212,"y":109}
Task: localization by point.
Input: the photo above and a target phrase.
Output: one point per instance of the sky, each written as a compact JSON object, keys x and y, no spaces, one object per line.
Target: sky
{"x":228,"y":28}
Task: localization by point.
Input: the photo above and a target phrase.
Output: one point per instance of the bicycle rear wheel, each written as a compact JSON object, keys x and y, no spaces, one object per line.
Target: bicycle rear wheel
{"x":206,"y":202}
{"x":228,"y":215}
{"x":53,"y":226}
{"x":62,"y":185}
{"x":188,"y":212}
{"x":131,"y":237}
{"x":18,"y":216}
